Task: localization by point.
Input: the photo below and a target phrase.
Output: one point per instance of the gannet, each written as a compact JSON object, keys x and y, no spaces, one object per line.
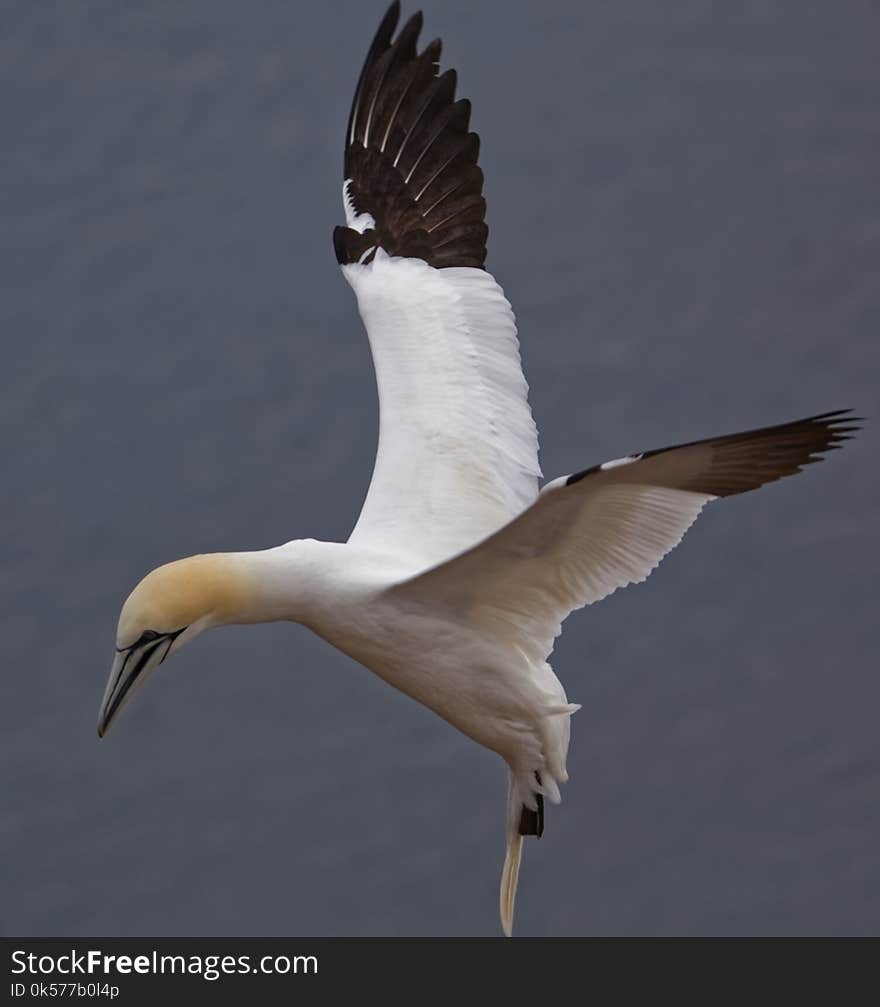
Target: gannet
{"x":459,"y":572}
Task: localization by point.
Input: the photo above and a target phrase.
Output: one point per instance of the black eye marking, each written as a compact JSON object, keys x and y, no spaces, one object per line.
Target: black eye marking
{"x":149,"y":636}
{"x":171,"y":638}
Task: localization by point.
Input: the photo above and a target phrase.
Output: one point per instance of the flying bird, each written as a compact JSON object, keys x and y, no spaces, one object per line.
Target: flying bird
{"x":460,"y":571}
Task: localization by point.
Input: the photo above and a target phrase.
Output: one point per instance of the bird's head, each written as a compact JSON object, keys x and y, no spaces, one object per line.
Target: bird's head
{"x":168,"y":608}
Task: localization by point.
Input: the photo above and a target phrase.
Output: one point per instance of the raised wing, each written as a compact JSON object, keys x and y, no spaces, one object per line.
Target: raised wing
{"x":412,"y":183}
{"x":457,"y":454}
{"x":593,"y":532}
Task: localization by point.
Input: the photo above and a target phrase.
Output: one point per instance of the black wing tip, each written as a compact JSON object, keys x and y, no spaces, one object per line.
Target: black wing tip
{"x":405,"y":156}
{"x":432,"y":52}
{"x":834,"y":423}
{"x":753,"y":458}
{"x":837,"y":421}
{"x":834,"y":416}
{"x":389,"y":22}
{"x":830,"y":430}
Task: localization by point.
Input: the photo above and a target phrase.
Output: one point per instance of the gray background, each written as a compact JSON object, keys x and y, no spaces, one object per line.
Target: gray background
{"x":684,"y":209}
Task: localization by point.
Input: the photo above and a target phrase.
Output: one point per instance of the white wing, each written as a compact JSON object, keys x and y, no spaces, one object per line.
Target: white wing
{"x":457,"y":454}
{"x":591,"y":533}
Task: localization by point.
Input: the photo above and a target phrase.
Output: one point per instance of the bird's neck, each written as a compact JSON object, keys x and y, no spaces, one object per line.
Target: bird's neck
{"x":287,"y":583}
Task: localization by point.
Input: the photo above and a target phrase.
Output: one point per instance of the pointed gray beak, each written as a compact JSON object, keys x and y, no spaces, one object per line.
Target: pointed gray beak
{"x":130,"y":670}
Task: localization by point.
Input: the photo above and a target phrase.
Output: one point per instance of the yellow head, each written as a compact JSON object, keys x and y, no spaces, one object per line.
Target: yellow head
{"x":169,"y":607}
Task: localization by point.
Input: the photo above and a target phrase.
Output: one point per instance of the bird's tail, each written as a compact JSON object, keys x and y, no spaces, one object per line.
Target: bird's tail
{"x":510,"y":872}
{"x":521,"y":821}
{"x":509,"y":878}
{"x":526,"y":789}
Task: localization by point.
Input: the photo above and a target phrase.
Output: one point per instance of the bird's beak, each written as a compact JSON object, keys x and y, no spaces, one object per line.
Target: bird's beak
{"x":130,"y":669}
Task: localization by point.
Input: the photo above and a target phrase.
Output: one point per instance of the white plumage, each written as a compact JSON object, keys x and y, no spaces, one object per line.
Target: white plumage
{"x":571,"y":548}
{"x":458,"y":449}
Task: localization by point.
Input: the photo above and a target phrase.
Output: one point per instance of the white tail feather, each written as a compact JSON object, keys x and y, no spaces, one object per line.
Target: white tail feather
{"x":510,"y":872}
{"x":509,"y":878}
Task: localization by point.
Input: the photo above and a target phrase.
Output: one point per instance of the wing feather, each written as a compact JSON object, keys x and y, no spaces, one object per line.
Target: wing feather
{"x":458,"y":450}
{"x":598,"y":530}
{"x":407,"y":146}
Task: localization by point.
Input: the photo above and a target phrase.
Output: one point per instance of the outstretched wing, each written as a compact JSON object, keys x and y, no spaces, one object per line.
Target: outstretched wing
{"x":457,"y":454}
{"x":593,"y":532}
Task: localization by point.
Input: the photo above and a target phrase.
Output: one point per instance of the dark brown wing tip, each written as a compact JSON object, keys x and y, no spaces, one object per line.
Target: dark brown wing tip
{"x":385,"y":31}
{"x":381,"y":41}
{"x":832,"y":417}
{"x":752,"y":458}
{"x":827,"y":429}
{"x":745,"y":461}
{"x":408,"y":153}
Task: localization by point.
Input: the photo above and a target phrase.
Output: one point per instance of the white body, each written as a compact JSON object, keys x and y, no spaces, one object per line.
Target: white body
{"x":352,"y":597}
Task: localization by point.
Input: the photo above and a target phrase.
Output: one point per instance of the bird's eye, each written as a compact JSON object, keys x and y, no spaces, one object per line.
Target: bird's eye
{"x":148,"y":635}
